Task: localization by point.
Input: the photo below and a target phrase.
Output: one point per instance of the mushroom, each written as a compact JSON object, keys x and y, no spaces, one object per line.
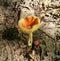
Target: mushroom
{"x":28,"y":25}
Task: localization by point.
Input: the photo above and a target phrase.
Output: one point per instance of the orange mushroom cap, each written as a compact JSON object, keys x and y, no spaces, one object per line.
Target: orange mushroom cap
{"x":29,"y":24}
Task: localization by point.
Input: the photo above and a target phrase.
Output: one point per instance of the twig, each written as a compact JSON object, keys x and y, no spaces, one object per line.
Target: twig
{"x":46,"y":34}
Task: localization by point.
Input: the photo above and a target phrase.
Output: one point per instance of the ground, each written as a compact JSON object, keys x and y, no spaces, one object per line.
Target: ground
{"x":14,"y":48}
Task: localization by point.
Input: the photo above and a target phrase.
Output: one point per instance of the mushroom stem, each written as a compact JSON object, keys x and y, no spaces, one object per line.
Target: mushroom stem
{"x":30,"y":39}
